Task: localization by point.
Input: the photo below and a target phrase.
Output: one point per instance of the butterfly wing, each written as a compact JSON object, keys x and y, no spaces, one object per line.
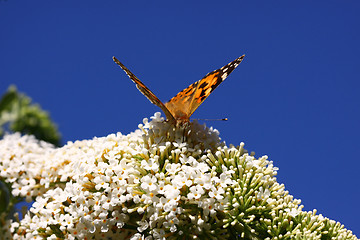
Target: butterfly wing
{"x":145,"y":91}
{"x":183,"y":105}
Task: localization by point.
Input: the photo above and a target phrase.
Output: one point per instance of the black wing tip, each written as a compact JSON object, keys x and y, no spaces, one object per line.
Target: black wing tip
{"x":240,"y":58}
{"x":115,"y":59}
{"x":120,"y":64}
{"x":235,"y":63}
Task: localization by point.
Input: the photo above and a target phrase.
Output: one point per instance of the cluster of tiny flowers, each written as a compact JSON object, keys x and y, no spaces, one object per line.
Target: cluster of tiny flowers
{"x":261,"y":208}
{"x":159,"y":182}
{"x":21,"y":162}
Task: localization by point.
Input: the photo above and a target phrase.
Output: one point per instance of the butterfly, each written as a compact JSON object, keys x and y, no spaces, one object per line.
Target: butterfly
{"x":179,"y":108}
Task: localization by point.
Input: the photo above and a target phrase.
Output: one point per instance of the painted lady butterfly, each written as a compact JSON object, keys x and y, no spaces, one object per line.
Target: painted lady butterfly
{"x":179,"y":109}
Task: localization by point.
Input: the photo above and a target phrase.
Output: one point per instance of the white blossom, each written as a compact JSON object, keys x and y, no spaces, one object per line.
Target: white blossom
{"x":157,"y":182}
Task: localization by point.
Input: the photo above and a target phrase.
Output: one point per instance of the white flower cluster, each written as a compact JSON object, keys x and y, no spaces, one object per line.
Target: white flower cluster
{"x":116,"y":186}
{"x":21,"y":159}
{"x":158,"y":182}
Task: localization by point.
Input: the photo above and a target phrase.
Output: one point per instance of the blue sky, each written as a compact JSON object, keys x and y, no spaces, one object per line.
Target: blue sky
{"x":295,"y":97}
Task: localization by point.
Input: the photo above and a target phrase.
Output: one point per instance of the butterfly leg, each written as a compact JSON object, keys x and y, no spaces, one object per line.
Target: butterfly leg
{"x":186,"y":131}
{"x":169,"y":133}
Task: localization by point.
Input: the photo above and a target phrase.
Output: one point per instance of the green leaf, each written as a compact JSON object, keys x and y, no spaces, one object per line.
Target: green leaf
{"x":56,"y":230}
{"x":4,"y":196}
{"x":19,"y":114}
{"x":9,"y":97}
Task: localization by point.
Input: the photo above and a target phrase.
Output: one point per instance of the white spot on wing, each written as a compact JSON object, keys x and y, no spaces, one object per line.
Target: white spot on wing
{"x":224,"y":76}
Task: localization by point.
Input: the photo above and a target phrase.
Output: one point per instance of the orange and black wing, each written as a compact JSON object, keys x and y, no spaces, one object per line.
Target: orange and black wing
{"x":183,"y":105}
{"x":145,"y":91}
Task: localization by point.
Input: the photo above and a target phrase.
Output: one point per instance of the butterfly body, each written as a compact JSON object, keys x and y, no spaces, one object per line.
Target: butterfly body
{"x":179,"y":108}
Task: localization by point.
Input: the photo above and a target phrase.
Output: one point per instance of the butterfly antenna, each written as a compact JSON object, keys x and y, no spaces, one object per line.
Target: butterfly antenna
{"x":209,"y":119}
